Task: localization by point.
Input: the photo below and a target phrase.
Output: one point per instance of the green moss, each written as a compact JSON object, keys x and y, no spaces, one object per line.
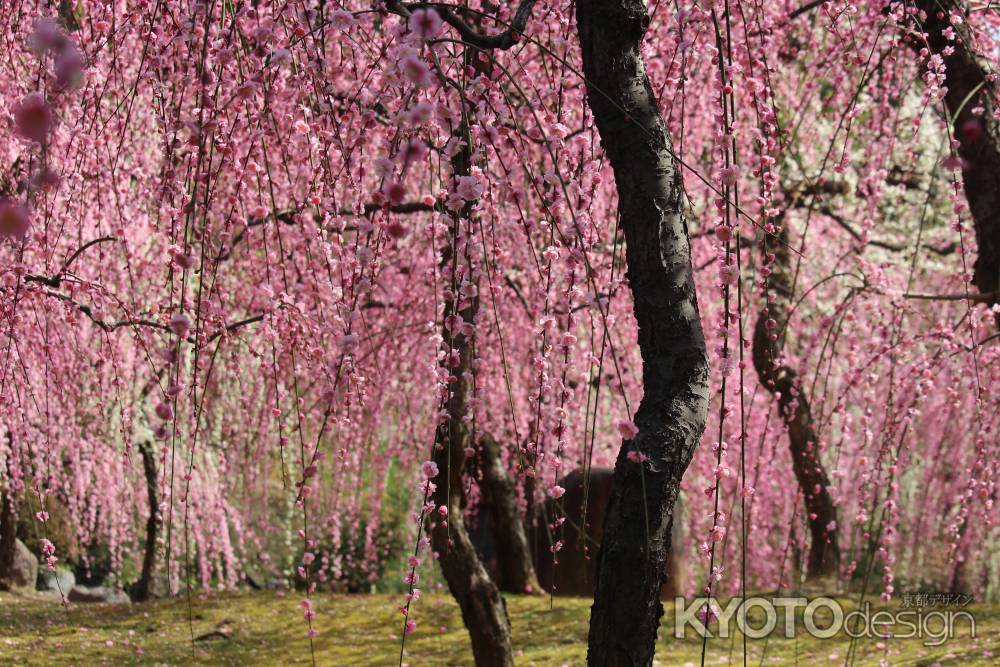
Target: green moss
{"x":365,"y":630}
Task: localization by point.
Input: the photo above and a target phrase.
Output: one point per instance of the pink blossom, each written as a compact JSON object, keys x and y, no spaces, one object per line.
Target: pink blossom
{"x":180,"y":324}
{"x":429,"y":469}
{"x":628,"y":429}
{"x":419,"y":113}
{"x":14,"y":219}
{"x":33,"y":117}
{"x":46,"y":35}
{"x":468,"y":188}
{"x":416,"y":70}
{"x":342,"y":20}
{"x":425,"y":24}
{"x":728,"y":274}
{"x":69,"y":67}
{"x":636,"y":456}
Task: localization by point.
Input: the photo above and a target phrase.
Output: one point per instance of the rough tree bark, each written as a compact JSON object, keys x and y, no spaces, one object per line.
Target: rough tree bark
{"x":515,"y":568}
{"x":671,"y":416}
{"x":969,"y":88}
{"x":483,"y":609}
{"x":793,"y":405}
{"x":144,"y":588}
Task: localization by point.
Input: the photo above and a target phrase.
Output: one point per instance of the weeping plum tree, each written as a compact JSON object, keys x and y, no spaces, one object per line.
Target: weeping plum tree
{"x":314,"y":252}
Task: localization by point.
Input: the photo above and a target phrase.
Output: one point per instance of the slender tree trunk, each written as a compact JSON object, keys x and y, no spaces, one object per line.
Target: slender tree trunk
{"x":8,"y":538}
{"x":671,"y":416}
{"x":793,"y":405}
{"x":516,"y":570}
{"x":971,"y":91}
{"x":483,"y":609}
{"x":8,"y":524}
{"x":144,"y":588}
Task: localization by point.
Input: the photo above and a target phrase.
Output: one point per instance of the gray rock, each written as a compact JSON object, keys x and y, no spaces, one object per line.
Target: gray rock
{"x":97,"y":594}
{"x":60,"y":580}
{"x":25,"y":570}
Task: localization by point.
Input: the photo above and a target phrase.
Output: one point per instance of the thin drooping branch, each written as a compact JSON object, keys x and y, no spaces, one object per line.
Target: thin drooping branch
{"x":671,"y":416}
{"x":56,"y":280}
{"x":829,"y":212}
{"x":289,"y":217}
{"x":109,"y":326}
{"x":962,"y":296}
{"x":806,"y":8}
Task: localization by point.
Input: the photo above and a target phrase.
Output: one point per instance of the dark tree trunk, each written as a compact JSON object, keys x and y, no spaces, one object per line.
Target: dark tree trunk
{"x":793,"y":405}
{"x":978,"y":136}
{"x":144,"y":588}
{"x":515,"y":569}
{"x":671,"y":416}
{"x":8,"y":526}
{"x":8,"y":538}
{"x":483,"y":609}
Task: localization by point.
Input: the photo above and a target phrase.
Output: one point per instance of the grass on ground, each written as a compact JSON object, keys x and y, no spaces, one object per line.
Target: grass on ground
{"x":356,"y":630}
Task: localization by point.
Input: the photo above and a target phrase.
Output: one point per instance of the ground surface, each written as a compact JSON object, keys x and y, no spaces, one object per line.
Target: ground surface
{"x":268,"y":629}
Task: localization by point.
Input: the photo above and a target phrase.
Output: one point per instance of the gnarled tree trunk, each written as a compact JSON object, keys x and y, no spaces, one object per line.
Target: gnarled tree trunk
{"x":144,"y":588}
{"x":978,"y":135}
{"x":793,"y":405}
{"x":483,"y":609}
{"x":671,"y":416}
{"x":515,"y":567}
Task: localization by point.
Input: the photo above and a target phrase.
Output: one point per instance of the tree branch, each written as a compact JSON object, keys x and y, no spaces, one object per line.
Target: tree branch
{"x":502,"y":41}
{"x":56,"y":280}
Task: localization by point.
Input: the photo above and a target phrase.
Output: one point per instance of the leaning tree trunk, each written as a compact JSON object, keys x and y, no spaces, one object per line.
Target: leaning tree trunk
{"x":671,"y":416}
{"x":144,"y":588}
{"x":972,"y":103}
{"x":793,"y":405}
{"x":483,"y":609}
{"x":515,"y":567}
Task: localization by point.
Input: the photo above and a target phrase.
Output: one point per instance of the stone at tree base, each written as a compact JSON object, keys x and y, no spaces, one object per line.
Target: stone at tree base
{"x":60,"y":580}
{"x":24,"y":572}
{"x":97,"y":594}
{"x":576,"y":573}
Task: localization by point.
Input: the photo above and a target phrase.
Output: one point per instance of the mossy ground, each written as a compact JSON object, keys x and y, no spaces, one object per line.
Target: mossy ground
{"x":364,"y":630}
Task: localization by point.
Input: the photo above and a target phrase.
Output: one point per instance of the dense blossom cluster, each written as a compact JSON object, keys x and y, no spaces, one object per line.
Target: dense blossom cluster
{"x":222,"y":232}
